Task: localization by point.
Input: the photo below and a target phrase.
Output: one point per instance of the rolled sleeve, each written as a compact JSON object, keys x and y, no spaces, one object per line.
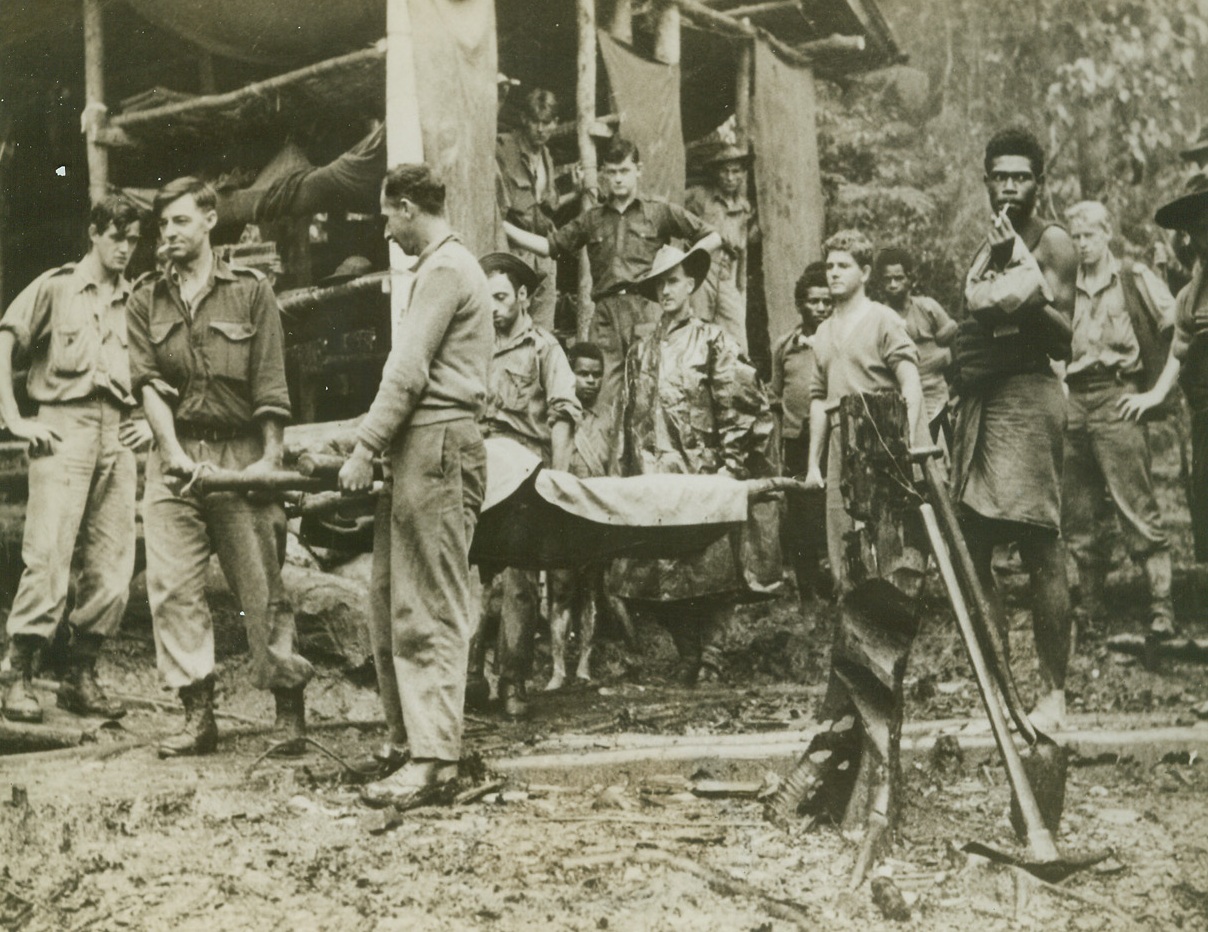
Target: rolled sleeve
{"x":270,"y":393}
{"x":405,"y":376}
{"x":1022,"y":284}
{"x":144,"y":370}
{"x":562,"y":404}
{"x":29,"y":314}
{"x":572,"y":236}
{"x":1160,"y":298}
{"x":895,"y":343}
{"x":686,"y":224}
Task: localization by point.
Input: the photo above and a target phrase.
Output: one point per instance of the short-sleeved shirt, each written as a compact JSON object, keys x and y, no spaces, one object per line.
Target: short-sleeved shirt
{"x":437,"y":368}
{"x":793,"y":366}
{"x":219,"y":360}
{"x":77,"y":340}
{"x":857,"y":353}
{"x":1104,"y":337}
{"x":532,"y":387}
{"x":622,"y":245}
{"x":927,"y":324}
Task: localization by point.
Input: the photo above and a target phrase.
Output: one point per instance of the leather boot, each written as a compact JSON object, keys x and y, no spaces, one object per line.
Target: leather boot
{"x":80,"y":693}
{"x":200,"y":734}
{"x":1159,"y":573}
{"x":290,"y":726}
{"x":20,"y":703}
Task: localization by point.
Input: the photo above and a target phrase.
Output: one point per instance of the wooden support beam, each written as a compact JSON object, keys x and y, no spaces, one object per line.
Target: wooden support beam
{"x":404,"y":133}
{"x":585,"y":117}
{"x":742,"y":94}
{"x":835,"y":43}
{"x":620,"y":27}
{"x":667,"y":33}
{"x":259,"y":89}
{"x":711,"y":20}
{"x":94,"y":116}
{"x":756,"y":9}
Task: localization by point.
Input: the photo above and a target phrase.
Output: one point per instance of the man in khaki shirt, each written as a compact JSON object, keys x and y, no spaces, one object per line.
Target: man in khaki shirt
{"x":532,"y":401}
{"x":72,"y":321}
{"x":207,"y":356}
{"x":1106,"y":456}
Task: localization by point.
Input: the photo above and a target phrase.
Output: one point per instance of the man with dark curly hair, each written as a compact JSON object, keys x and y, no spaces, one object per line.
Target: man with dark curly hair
{"x":1010,"y":417}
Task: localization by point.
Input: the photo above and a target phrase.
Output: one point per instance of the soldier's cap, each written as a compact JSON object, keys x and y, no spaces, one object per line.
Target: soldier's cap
{"x":507,"y":263}
{"x":1183,"y":211}
{"x":695,"y":262}
{"x":728,"y":153}
{"x":346,"y":271}
{"x":1198,"y":147}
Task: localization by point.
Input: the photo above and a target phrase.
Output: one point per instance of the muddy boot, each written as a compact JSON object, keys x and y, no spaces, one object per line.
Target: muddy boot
{"x":20,"y":703}
{"x":1159,"y":573}
{"x":290,"y":726}
{"x":200,"y":734}
{"x":80,"y":693}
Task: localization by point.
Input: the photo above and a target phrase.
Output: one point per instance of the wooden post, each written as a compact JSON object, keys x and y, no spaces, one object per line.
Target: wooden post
{"x":742,"y":94}
{"x":621,"y":26}
{"x":94,"y":100}
{"x":667,"y":34}
{"x":585,"y":116}
{"x":404,"y":136}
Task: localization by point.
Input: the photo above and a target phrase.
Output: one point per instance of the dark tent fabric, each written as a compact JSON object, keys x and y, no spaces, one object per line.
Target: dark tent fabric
{"x":268,"y":31}
{"x":529,"y":531}
{"x":455,"y":69}
{"x":646,"y":96}
{"x":538,"y":518}
{"x":788,"y":181}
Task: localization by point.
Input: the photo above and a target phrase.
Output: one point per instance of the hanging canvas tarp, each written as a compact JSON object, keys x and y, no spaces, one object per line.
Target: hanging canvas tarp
{"x":646,"y":96}
{"x":788,"y":181}
{"x":455,"y":70}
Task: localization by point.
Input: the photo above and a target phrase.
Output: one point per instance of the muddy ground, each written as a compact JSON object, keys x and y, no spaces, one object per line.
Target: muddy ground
{"x":121,"y":840}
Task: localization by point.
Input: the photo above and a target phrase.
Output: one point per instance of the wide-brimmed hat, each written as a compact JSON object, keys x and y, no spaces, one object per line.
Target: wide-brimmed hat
{"x":346,"y":271}
{"x":1182,"y":211}
{"x":695,"y":262}
{"x":728,"y":154}
{"x":1198,"y":148}
{"x":507,"y":263}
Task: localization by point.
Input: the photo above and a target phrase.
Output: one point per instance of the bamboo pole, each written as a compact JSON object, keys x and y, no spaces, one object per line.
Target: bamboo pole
{"x":257,"y":90}
{"x":585,"y":107}
{"x":404,"y":135}
{"x":93,"y":117}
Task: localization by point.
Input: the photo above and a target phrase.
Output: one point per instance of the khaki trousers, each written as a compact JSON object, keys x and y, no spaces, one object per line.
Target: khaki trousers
{"x":438,"y":474}
{"x":82,"y":493}
{"x":181,"y":532}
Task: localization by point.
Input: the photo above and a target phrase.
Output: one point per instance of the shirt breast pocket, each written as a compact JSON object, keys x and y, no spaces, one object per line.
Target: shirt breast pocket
{"x":517,"y":385}
{"x":73,"y":348}
{"x":229,"y":349}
